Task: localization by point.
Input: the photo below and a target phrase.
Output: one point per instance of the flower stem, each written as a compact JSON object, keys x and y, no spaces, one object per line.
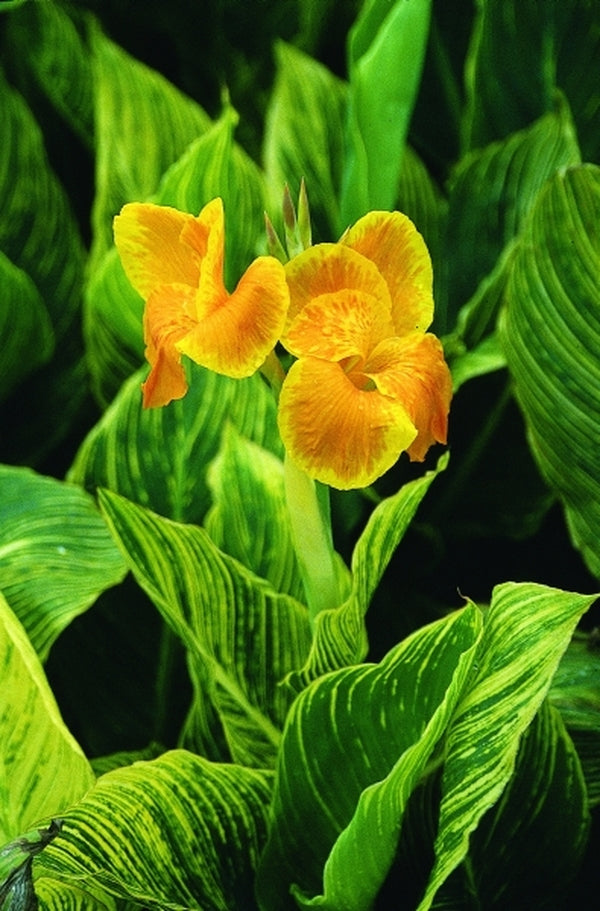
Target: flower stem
{"x":308,"y":506}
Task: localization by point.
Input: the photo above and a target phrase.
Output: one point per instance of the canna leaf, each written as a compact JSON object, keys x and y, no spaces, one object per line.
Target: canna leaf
{"x":551,"y":338}
{"x":43,"y":768}
{"x":56,"y":553}
{"x":158,"y":457}
{"x":339,"y":800}
{"x":242,"y":637}
{"x":526,"y":631}
{"x":175,"y":832}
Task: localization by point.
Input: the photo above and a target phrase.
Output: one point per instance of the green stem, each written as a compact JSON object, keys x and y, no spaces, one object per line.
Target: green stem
{"x":308,"y":507}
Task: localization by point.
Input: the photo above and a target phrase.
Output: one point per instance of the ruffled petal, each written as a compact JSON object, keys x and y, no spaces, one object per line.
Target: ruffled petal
{"x":330,"y":269}
{"x":392,"y":242}
{"x":166,"y":321}
{"x":205,"y":235}
{"x":341,"y":324}
{"x":341,"y":435}
{"x":148,"y":239}
{"x":235,"y":337}
{"x":412,"y":370}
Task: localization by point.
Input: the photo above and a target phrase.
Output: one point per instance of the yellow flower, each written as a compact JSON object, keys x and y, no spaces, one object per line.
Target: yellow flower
{"x":368,"y":382}
{"x":175,"y":261}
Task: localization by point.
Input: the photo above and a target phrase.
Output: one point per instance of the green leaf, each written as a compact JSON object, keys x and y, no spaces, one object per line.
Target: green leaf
{"x":340,"y":636}
{"x":304,"y":137}
{"x":491,"y":192}
{"x":26,"y":334}
{"x":158,"y":457}
{"x":386,"y":48}
{"x":339,"y":799}
{"x":43,"y":768}
{"x":551,"y":337}
{"x":142,"y":125}
{"x":176,"y":832}
{"x":552,"y":45}
{"x":56,"y":553}
{"x":249,"y":517}
{"x":242,"y":637}
{"x":527,"y":629}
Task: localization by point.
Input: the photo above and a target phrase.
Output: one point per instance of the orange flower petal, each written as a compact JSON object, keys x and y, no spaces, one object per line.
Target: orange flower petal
{"x":341,"y":435}
{"x":340,"y":324}
{"x":330,"y":269}
{"x":412,"y":370}
{"x":165,"y":322}
{"x":206,"y":237}
{"x":392,"y":242}
{"x":235,"y":337}
{"x":148,"y":239}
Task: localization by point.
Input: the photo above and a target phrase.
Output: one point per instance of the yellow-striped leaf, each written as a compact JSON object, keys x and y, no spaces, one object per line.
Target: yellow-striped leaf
{"x":176,"y":832}
{"x":43,"y":770}
{"x":356,"y":744}
{"x":56,"y":553}
{"x":242,"y":637}
{"x":551,"y":337}
{"x":158,"y":457}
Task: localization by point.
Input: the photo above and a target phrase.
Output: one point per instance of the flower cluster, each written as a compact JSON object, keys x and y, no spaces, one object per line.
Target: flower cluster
{"x":368,"y":381}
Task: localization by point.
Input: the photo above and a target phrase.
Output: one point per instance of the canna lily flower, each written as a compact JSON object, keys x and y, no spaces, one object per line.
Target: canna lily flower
{"x":369,"y":382}
{"x":175,"y":261}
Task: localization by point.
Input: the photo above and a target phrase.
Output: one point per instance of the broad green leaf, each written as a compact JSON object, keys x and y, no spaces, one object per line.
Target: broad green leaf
{"x":575,"y":692}
{"x":527,"y":629}
{"x":551,"y":336}
{"x":249,"y":517}
{"x":212,"y":165}
{"x":340,"y":636}
{"x":142,"y":125}
{"x":38,"y":234}
{"x":43,"y":770}
{"x":242,"y":637}
{"x":491,"y":192}
{"x":57,"y":895}
{"x":304,"y":137}
{"x":552,"y":45}
{"x":56,"y":553}
{"x":386,"y":48}
{"x":26,"y":334}
{"x":158,"y":457}
{"x":340,"y":795}
{"x":176,"y":832}
{"x":53,"y":47}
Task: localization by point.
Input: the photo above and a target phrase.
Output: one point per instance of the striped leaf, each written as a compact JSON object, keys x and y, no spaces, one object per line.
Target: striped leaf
{"x":43,"y":769}
{"x":340,"y":636}
{"x":526,"y":631}
{"x":551,"y":337}
{"x":552,"y":44}
{"x":26,"y":334}
{"x":304,"y":136}
{"x":249,"y":517}
{"x":142,"y":125}
{"x":56,"y":553}
{"x":491,"y":192}
{"x":386,"y":48}
{"x":356,"y":743}
{"x":158,"y":457}
{"x":176,"y":832}
{"x":242,"y":637}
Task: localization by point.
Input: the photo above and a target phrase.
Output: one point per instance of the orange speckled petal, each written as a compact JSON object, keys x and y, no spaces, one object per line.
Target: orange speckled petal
{"x":413,"y":371}
{"x":392,"y":242}
{"x":329,"y":269}
{"x":148,"y":239}
{"x":341,"y":324}
{"x":205,"y":235}
{"x":341,"y":435}
{"x":166,"y":321}
{"x":236,"y":337}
